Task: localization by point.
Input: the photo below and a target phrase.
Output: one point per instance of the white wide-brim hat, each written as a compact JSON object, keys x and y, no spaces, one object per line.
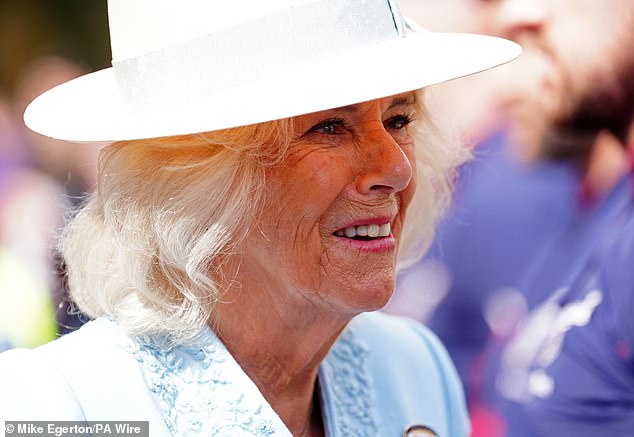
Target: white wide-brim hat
{"x":190,"y":66}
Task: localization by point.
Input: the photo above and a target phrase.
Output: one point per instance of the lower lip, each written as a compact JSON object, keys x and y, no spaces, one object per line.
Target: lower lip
{"x":379,"y":245}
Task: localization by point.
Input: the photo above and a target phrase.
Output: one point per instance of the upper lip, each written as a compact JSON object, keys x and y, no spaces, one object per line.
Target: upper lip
{"x":376,"y":220}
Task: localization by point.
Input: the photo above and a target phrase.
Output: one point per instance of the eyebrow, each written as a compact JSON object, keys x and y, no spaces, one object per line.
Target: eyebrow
{"x":403,"y":101}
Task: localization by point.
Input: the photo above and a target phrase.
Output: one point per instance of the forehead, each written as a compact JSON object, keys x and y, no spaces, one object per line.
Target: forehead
{"x":384,"y":103}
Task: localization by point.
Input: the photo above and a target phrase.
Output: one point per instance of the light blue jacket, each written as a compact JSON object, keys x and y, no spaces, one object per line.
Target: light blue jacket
{"x":382,"y":375}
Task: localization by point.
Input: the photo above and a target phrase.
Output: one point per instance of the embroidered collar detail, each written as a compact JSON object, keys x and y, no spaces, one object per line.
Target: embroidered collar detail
{"x":347,"y":388}
{"x":202,"y":390}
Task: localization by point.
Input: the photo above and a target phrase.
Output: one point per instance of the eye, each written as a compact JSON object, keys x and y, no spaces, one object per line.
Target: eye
{"x":331,"y":126}
{"x":400,"y":121}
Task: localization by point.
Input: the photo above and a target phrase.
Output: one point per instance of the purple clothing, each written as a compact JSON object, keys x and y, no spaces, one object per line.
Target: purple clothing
{"x":509,"y":221}
{"x":580,"y":380}
{"x":527,"y":232}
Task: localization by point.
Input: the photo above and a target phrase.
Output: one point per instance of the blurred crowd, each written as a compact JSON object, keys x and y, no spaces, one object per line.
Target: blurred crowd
{"x":529,"y":281}
{"x":41,"y":180}
{"x":510,"y":273}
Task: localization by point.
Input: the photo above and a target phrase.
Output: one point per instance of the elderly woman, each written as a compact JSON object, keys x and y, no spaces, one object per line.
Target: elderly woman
{"x":226,"y":258}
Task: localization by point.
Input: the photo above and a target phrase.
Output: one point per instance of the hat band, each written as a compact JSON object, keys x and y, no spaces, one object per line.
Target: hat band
{"x":221,"y":60}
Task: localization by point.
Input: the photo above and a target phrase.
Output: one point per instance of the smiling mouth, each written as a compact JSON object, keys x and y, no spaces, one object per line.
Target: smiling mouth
{"x":365,"y":232}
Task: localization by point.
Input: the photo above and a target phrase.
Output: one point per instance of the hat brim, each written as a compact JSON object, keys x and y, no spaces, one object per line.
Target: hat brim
{"x":90,"y":108}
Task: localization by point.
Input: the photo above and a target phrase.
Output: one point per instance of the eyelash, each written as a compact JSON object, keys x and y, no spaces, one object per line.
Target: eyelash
{"x":403,"y":118}
{"x":336,"y":123}
{"x":330,"y":122}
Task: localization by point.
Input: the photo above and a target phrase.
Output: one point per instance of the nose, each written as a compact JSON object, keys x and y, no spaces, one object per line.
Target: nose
{"x":385,"y":166}
{"x":517,"y":17}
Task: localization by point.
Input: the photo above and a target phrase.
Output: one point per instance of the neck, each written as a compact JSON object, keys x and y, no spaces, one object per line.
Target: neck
{"x":607,"y":162}
{"x":279,"y":339}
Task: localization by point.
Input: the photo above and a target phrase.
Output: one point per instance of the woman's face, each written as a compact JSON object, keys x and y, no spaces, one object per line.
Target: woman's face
{"x":329,"y":232}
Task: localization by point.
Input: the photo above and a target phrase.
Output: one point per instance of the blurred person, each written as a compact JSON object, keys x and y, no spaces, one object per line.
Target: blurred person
{"x":573,"y":362}
{"x":531,"y":206}
{"x":73,"y":168}
{"x":247,"y":222}
{"x":567,"y":369}
{"x":12,"y":151}
{"x":65,"y":174}
{"x":26,"y":307}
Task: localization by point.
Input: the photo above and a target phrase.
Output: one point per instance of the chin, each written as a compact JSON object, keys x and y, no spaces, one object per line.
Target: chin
{"x":373,"y":293}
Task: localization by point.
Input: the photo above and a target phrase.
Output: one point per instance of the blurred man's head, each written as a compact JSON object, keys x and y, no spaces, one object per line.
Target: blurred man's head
{"x":576,"y":76}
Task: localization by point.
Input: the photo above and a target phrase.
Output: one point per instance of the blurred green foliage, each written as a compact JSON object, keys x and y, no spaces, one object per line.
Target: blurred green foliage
{"x":32,"y":28}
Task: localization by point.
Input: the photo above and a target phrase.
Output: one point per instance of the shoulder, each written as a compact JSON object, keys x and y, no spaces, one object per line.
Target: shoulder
{"x":612,"y":321}
{"x":90,"y":374}
{"x":33,"y":389}
{"x":616,"y":273}
{"x":403,"y":338}
{"x":411,"y":372}
{"x":39,"y":383}
{"x":592,"y":340}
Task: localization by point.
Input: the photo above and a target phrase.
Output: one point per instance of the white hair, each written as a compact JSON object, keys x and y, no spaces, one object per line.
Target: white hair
{"x":148,"y":246}
{"x":439,"y":152}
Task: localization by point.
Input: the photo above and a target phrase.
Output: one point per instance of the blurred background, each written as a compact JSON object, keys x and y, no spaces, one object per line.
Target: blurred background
{"x":548,"y":135}
{"x":523,"y":219}
{"x":42,"y":43}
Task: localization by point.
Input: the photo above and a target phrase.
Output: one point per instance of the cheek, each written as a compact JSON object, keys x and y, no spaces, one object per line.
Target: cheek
{"x":301,"y":192}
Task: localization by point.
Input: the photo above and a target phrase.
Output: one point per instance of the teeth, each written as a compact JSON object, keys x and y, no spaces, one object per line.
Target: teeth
{"x":372,"y":231}
{"x":384,"y":230}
